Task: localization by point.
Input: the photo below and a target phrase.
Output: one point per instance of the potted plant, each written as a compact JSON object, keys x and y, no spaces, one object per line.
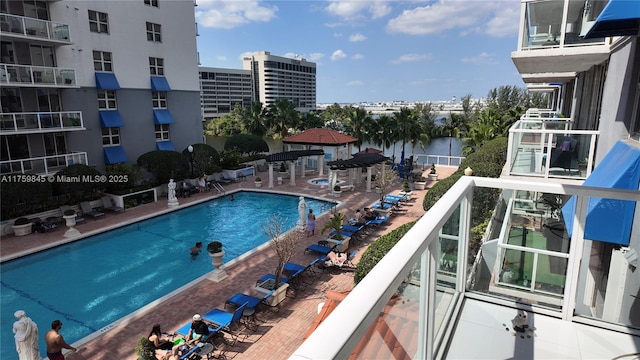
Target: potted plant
{"x":70,"y":217}
{"x":145,"y":349}
{"x":283,"y":168}
{"x":22,"y":226}
{"x":337,"y":190}
{"x":419,"y":182}
{"x":283,"y":245}
{"x":258,"y":181}
{"x":433,"y":173}
{"x":405,"y":187}
{"x":214,"y":248}
{"x":334,"y":223}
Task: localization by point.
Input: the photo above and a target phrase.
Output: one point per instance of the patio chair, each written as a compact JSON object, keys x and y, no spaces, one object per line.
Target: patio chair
{"x":226,"y":321}
{"x":324,"y":250}
{"x":267,"y":277}
{"x":108,"y":206}
{"x":42,"y":226}
{"x":378,"y":221}
{"x":252,"y":302}
{"x":86,"y":208}
{"x":346,"y":265}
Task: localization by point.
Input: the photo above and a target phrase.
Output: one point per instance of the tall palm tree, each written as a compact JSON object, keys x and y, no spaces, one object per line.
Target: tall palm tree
{"x":488,"y":126}
{"x":451,"y":127}
{"x":310,"y":120}
{"x":384,"y":132}
{"x":282,"y":116}
{"x":357,"y":125}
{"x":253,"y":119}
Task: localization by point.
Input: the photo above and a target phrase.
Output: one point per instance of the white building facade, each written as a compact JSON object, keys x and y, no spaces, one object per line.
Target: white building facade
{"x":222,"y":89}
{"x":96,"y":82}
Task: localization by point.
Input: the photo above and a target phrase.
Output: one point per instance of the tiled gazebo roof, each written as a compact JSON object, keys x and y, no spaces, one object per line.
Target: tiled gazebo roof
{"x":292,"y":155}
{"x":320,"y":136}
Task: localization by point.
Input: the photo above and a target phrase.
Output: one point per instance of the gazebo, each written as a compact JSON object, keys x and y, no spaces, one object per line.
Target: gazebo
{"x":358,"y":161}
{"x":291,"y":157}
{"x":334,"y":143}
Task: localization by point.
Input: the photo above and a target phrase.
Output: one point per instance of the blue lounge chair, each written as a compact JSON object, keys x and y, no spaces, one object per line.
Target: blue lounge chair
{"x":342,"y":232}
{"x":324,"y":250}
{"x":184,"y":330}
{"x":225,"y":320}
{"x":239,"y":298}
{"x":270,"y":277}
{"x":379,"y":221}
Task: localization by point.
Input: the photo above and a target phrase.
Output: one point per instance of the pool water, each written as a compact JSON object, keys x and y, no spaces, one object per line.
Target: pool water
{"x":91,"y":283}
{"x":324,"y":182}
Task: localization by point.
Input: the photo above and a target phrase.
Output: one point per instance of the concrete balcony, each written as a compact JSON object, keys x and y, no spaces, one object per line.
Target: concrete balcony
{"x":548,"y":148}
{"x":37,"y":76}
{"x":25,"y":28}
{"x":40,"y":122}
{"x":43,"y":165}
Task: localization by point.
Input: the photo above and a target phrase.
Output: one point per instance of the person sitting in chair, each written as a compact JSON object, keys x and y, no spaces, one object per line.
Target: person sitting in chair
{"x":160,"y":342}
{"x":197,"y":331}
{"x":335,"y":259}
{"x":369,"y":215}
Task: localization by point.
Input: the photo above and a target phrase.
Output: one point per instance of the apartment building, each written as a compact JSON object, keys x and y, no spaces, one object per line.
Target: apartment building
{"x":277,"y":77}
{"x":96,"y":82}
{"x":556,"y":274}
{"x":222,"y":89}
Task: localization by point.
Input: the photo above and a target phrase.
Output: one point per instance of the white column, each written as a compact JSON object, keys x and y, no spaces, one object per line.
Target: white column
{"x":303,"y":165}
{"x":271,"y":175}
{"x":320,"y":165}
{"x":368,"y":179}
{"x":292,"y":173}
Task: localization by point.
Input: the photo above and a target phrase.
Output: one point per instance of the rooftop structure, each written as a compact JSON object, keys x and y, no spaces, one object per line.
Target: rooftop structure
{"x":77,"y":88}
{"x":554,"y":276}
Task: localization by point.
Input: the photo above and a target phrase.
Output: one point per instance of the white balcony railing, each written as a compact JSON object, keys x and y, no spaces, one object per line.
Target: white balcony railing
{"x":39,"y":122}
{"x":403,"y":303}
{"x":15,"y":25}
{"x":43,"y":165}
{"x":546,"y":147}
{"x":29,"y":75}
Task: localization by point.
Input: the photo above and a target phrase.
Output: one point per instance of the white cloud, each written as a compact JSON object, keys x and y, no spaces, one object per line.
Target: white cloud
{"x":357,"y":37}
{"x":355,"y":83}
{"x":353,"y":11}
{"x":411,"y":58}
{"x":495,"y":18}
{"x":357,"y":56}
{"x":310,"y":57}
{"x":229,"y":14}
{"x":315,"y":56}
{"x":483,"y":58}
{"x":338,"y":55}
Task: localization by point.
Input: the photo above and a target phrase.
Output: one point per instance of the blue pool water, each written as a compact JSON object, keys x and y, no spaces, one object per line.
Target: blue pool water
{"x":91,"y":283}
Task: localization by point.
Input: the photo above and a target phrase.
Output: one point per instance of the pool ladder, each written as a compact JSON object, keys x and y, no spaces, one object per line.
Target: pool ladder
{"x":218,"y":187}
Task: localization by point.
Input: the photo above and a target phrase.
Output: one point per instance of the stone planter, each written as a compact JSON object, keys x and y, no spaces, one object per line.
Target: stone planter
{"x":22,"y":230}
{"x":276,"y":298}
{"x":419,"y":185}
{"x":216,"y":259}
{"x":433,"y":177}
{"x":218,"y":274}
{"x":70,"y":220}
{"x":258,"y":183}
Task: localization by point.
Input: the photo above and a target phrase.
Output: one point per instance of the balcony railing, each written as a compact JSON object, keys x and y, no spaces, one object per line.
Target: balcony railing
{"x":411,"y":299}
{"x":546,"y":147}
{"x":43,"y":165}
{"x":28,"y":75}
{"x":39,"y":122}
{"x":551,"y":24}
{"x":15,"y":25}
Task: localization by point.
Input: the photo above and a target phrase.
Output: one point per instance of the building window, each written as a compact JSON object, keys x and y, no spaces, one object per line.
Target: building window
{"x":102,"y":61}
{"x":107,"y":100}
{"x":159,"y":99}
{"x":153,"y":32}
{"x":162,"y":132}
{"x":110,"y":136}
{"x":98,"y":22}
{"x":151,"y":2}
{"x":156,"y":66}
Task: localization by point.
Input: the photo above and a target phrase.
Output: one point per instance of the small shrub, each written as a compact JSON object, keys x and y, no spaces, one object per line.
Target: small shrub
{"x":214,"y":247}
{"x":22,"y":221}
{"x":206,"y":159}
{"x":258,"y":179}
{"x":433,"y":169}
{"x":246,"y":144}
{"x":145,"y":349}
{"x":336,"y":188}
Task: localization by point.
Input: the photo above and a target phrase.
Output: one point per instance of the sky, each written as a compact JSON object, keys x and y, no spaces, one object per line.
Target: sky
{"x":372,"y":51}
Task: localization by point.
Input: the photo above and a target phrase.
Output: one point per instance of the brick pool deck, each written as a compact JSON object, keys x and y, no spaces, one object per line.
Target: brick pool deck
{"x":279,"y":333}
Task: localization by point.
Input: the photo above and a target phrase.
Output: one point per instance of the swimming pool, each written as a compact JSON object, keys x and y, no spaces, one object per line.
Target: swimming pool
{"x":89,"y":284}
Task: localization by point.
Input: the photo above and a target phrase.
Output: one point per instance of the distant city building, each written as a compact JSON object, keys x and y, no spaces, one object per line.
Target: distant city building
{"x":96,"y":82}
{"x":222,"y":89}
{"x":277,"y":77}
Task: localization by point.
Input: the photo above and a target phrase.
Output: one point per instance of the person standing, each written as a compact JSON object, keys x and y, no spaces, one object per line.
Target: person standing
{"x":26,"y":335}
{"x":55,"y":342}
{"x":311,"y":223}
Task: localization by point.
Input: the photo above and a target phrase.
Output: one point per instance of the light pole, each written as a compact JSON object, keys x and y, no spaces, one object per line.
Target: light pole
{"x":190,"y":148}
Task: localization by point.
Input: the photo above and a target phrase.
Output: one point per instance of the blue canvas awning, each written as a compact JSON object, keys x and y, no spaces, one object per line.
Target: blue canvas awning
{"x":114,"y":155}
{"x":165,"y":145}
{"x":107,"y":81}
{"x":160,"y":83}
{"x":162,"y":116}
{"x":110,"y":118}
{"x":609,"y":220}
{"x":618,"y":18}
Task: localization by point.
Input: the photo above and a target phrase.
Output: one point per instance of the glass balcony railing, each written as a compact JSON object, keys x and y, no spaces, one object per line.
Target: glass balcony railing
{"x":559,"y":23}
{"x":37,"y":122}
{"x":546,"y":147}
{"x":33,"y":28}
{"x":408,"y":305}
{"x":21,"y":75}
{"x":43,"y":165}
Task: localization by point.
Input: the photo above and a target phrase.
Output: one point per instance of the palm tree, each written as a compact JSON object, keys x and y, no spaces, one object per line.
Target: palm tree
{"x":451,"y":127}
{"x":310,"y":120}
{"x":383,"y":132}
{"x":357,"y":125}
{"x":488,"y":126}
{"x":253,"y":119}
{"x":282,"y":116}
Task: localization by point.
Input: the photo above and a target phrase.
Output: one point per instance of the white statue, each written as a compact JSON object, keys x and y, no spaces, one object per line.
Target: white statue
{"x":26,"y":335}
{"x":173,"y":200}
{"x":302,"y":214}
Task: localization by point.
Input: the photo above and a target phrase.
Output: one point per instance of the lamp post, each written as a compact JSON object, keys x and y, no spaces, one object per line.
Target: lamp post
{"x":190,"y":148}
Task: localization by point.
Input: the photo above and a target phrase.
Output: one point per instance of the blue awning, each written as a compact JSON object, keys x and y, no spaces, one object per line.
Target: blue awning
{"x":609,"y":220}
{"x":160,"y":83}
{"x":165,"y":145}
{"x":114,"y":155}
{"x":618,"y":18}
{"x":106,"y":81}
{"x":110,"y":118}
{"x":162,"y":116}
